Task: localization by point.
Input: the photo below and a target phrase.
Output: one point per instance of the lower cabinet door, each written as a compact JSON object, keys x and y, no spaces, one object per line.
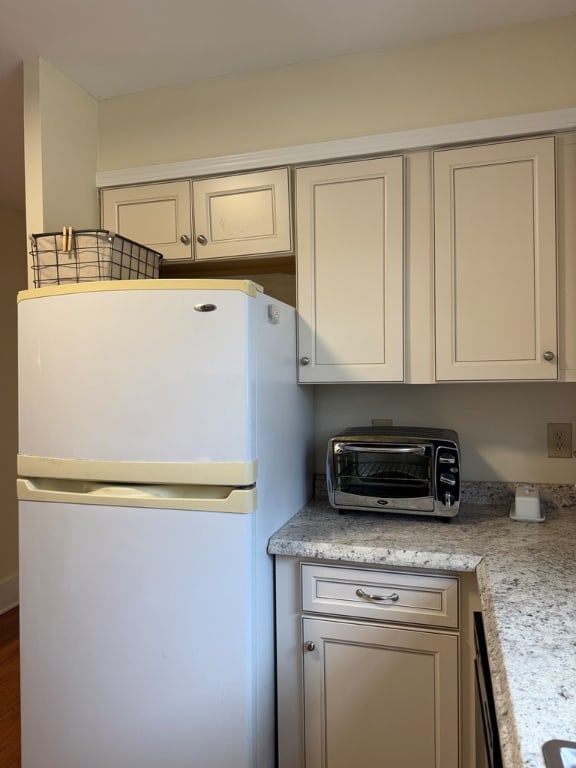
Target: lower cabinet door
{"x":379,"y":696}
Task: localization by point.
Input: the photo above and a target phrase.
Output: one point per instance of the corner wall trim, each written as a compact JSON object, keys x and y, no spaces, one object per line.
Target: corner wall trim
{"x":398,"y":141}
{"x":8,"y":593}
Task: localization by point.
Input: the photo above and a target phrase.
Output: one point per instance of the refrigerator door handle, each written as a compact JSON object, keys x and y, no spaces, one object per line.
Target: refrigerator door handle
{"x":227,"y":473}
{"x":205,"y":498}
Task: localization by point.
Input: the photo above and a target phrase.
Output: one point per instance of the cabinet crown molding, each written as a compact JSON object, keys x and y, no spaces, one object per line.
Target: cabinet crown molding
{"x":396,"y":141}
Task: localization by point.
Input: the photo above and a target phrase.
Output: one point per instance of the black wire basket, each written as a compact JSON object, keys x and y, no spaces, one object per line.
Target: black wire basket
{"x":90,"y":255}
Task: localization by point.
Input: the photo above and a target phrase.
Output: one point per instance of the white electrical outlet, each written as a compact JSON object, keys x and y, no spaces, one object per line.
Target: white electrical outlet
{"x":559,"y":441}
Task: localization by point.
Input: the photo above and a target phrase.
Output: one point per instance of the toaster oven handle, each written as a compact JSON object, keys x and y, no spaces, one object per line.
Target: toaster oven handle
{"x":368,"y":448}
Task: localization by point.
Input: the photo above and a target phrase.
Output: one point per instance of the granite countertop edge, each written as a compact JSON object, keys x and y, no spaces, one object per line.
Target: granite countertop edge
{"x":526,"y":581}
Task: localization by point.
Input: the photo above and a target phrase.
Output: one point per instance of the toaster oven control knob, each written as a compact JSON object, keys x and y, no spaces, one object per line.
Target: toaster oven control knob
{"x":448,"y":479}
{"x":448,"y":499}
{"x":446,"y":458}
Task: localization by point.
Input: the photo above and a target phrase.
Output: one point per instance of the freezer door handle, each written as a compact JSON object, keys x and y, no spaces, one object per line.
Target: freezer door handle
{"x":200,"y":473}
{"x":122,"y":492}
{"x":201,"y":498}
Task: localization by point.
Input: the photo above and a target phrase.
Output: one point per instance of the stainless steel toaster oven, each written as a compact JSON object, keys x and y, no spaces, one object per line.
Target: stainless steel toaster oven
{"x":412,"y":470}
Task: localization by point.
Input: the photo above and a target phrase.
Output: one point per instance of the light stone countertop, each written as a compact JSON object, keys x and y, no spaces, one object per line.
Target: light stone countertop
{"x":526,"y":576}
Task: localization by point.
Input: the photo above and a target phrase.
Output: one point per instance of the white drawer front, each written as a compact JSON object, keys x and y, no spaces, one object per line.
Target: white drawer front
{"x":411,"y":598}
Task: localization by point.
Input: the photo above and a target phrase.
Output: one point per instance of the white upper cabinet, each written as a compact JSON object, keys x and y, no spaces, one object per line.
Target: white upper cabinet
{"x":243,"y":215}
{"x":156,"y":215}
{"x":226,"y":217}
{"x":495,"y":262}
{"x":434,"y":266}
{"x":349,"y":219}
{"x":566,"y":214}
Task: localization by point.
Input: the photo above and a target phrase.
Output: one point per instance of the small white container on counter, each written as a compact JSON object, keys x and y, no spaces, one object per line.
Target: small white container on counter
{"x":526,"y":506}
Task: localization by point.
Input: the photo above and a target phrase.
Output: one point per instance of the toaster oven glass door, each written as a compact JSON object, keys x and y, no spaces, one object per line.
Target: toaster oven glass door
{"x":400,"y":473}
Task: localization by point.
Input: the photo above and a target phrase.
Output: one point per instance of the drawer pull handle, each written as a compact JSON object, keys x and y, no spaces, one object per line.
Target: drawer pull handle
{"x":377,"y":598}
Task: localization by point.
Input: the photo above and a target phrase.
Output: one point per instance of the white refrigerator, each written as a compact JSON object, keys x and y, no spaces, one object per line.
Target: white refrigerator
{"x":162,"y":440}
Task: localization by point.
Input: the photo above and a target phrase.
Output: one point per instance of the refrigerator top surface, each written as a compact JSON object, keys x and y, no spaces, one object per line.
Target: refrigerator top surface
{"x":245,"y":286}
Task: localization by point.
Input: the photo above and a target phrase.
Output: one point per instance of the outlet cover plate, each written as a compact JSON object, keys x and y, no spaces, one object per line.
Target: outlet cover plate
{"x":559,"y":440}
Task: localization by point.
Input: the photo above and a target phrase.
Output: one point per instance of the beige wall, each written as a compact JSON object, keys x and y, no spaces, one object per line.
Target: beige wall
{"x":13,"y":248}
{"x":502,"y":427}
{"x":60,"y":144}
{"x":515,"y":70}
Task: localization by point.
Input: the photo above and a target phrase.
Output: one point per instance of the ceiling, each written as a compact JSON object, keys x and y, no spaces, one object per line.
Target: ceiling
{"x":114,"y":47}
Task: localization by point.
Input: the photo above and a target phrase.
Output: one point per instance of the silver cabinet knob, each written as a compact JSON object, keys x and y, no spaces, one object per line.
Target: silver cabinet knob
{"x":202,"y":239}
{"x":310,"y":646}
{"x":304,"y":361}
{"x":549,"y":356}
{"x":185,"y":239}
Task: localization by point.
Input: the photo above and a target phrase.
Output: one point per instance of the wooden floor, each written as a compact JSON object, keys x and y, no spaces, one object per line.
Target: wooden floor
{"x":9,"y":691}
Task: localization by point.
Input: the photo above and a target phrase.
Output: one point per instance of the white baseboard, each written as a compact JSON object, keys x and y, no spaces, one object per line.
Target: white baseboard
{"x":8,"y":593}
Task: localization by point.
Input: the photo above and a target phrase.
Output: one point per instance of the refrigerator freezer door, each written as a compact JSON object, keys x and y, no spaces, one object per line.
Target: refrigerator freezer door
{"x":207,"y":498}
{"x":138,"y":375}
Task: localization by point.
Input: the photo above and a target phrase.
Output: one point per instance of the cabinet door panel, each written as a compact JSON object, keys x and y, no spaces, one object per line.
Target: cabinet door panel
{"x":156,"y":215}
{"x":495,"y":261}
{"x":566,"y":181}
{"x":244,"y":215}
{"x":350,"y":271}
{"x":375,"y":695}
